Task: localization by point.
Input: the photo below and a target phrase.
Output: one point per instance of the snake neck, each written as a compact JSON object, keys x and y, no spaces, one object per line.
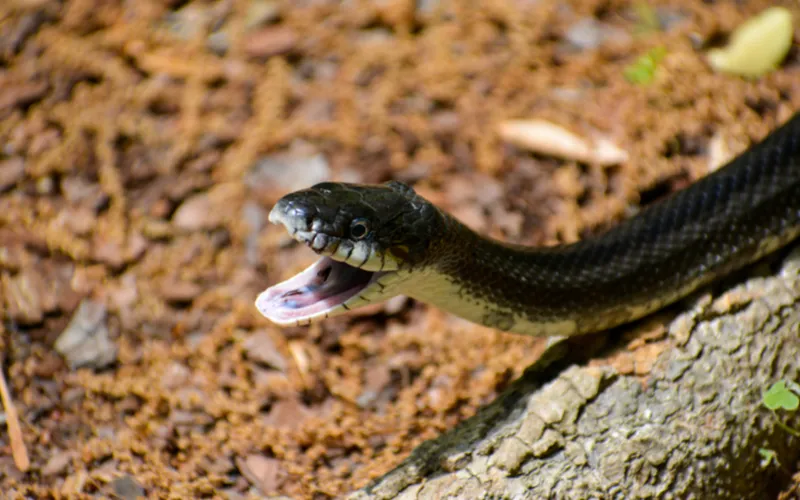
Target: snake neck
{"x":484,"y":281}
{"x":638,"y":267}
{"x":722,"y":222}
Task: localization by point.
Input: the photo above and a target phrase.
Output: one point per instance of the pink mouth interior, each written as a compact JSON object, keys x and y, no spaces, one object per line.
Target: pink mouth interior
{"x":320,"y":288}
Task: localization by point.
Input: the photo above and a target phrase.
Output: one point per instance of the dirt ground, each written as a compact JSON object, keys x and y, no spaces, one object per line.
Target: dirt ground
{"x":143,"y":144}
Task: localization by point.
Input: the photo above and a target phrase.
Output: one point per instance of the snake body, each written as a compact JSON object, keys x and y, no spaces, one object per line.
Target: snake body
{"x":377,"y":241}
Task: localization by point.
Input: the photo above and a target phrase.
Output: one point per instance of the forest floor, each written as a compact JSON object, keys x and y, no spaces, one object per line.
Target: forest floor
{"x":143,"y":143}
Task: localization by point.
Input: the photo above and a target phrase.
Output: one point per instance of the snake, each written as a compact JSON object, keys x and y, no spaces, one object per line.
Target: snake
{"x":377,"y":241}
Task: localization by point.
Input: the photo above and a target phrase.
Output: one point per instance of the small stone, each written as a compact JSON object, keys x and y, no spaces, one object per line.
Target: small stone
{"x":123,"y":294}
{"x":80,"y":220}
{"x":277,"y":382}
{"x":117,"y":254}
{"x":72,"y":396}
{"x":376,"y":380}
{"x":315,"y":110}
{"x":108,"y":252}
{"x":445,"y":122}
{"x":11,"y":171}
{"x":196,"y":213}
{"x":180,"y":417}
{"x":174,"y":376}
{"x":85,"y":341}
{"x":57,"y":463}
{"x":260,"y":348}
{"x":137,"y":245}
{"x":589,"y":34}
{"x":127,"y":488}
{"x":287,"y":414}
{"x":64,"y":297}
{"x":187,"y":22}
{"x":262,"y":472}
{"x":79,"y":191}
{"x":24,"y":297}
{"x":270,"y":41}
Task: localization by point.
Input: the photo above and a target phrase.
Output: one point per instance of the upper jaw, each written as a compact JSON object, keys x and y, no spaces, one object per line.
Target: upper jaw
{"x":316,"y":235}
{"x":289,"y":218}
{"x":299,"y":228}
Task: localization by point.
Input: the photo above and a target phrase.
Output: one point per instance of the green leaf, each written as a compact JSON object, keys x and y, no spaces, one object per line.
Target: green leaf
{"x":780,"y":397}
{"x":767,"y":457}
{"x":643,"y":70}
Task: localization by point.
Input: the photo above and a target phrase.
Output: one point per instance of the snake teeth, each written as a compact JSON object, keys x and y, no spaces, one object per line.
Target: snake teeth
{"x":300,"y":230}
{"x":319,"y":242}
{"x":305,"y":237}
{"x":296,"y":226}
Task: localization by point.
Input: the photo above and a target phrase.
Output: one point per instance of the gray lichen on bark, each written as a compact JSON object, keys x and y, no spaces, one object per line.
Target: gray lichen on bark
{"x":691,"y":428}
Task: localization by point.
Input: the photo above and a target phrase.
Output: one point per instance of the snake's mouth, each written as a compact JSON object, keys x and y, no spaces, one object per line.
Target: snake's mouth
{"x":335,"y":284}
{"x":324,"y":289}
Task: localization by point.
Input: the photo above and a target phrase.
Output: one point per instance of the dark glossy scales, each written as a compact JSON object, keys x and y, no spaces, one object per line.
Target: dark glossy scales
{"x":747,"y":208}
{"x":722,"y":222}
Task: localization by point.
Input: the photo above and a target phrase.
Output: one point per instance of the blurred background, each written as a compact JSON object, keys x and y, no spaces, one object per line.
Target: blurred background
{"x":142,"y":144}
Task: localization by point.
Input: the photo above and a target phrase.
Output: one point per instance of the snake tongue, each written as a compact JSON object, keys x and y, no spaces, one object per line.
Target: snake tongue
{"x":322,"y":287}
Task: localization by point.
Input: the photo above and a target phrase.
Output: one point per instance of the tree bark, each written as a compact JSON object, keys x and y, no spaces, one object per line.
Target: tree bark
{"x":690,"y":428}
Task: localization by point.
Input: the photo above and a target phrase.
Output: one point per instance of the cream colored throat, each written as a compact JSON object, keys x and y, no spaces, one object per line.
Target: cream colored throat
{"x":445,"y":293}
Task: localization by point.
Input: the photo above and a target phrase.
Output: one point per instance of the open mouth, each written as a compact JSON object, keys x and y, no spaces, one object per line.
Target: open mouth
{"x":324,"y":287}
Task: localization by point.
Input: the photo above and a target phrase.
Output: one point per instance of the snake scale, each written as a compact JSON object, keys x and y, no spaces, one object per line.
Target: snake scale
{"x":378,"y":241}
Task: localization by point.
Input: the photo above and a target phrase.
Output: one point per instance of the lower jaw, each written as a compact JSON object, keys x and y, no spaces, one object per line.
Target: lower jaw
{"x":325,"y":275}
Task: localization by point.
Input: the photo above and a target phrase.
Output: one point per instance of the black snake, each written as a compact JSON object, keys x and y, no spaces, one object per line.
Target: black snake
{"x":378,"y":241}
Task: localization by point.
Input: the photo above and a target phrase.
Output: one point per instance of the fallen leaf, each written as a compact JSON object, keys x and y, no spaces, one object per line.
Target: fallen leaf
{"x":547,"y":138}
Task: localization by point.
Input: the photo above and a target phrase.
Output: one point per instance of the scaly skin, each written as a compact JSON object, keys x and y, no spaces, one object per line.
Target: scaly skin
{"x":730,"y":218}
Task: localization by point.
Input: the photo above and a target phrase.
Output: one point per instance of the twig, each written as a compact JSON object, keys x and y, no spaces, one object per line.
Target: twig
{"x":18,"y":451}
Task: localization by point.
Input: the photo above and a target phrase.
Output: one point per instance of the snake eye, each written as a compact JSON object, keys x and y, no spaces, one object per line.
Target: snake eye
{"x":359,"y":229}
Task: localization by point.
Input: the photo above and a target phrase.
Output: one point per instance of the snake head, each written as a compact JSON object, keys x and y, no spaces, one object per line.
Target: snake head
{"x":368,"y":236}
{"x":374,"y":228}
